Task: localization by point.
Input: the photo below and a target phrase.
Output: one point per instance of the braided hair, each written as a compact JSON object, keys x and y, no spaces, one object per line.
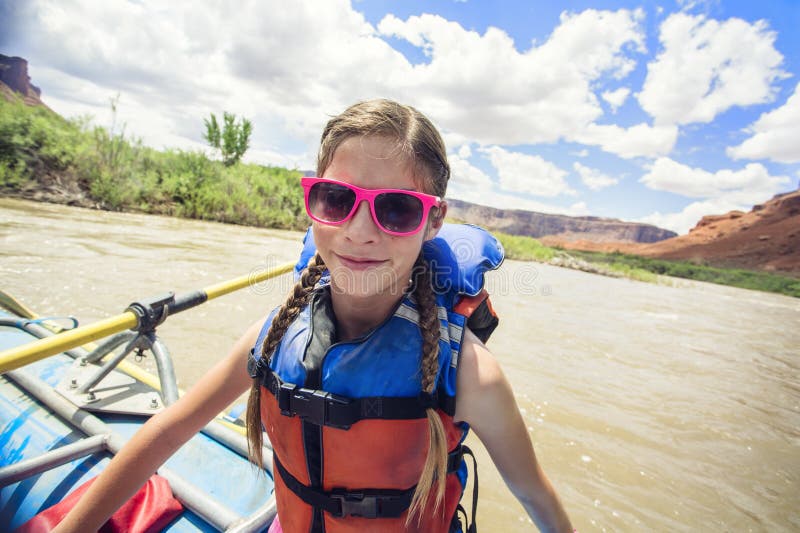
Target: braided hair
{"x":298,"y":298}
{"x":434,"y":471}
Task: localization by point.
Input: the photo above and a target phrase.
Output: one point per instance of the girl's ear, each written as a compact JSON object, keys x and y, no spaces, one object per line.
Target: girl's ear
{"x":435,"y":220}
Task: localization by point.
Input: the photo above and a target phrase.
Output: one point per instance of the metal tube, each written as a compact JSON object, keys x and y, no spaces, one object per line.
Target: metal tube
{"x":238,"y":443}
{"x":51,"y":459}
{"x":232,"y":439}
{"x":108,"y":366}
{"x":166,"y":372}
{"x":215,"y":513}
{"x":257,"y":521}
{"x":109,"y":346}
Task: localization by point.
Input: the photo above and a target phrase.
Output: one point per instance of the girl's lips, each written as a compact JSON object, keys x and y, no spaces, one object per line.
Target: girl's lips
{"x":359,"y":263}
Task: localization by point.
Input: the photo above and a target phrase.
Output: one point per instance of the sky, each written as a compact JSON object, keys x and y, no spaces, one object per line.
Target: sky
{"x":658,"y":112}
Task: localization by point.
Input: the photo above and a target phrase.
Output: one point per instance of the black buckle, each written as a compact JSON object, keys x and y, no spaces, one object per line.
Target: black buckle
{"x":311,"y":405}
{"x":356,"y":504}
{"x":283,"y":394}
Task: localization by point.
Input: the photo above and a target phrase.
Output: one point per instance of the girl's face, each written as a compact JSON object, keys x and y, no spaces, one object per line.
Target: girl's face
{"x":364,"y":261}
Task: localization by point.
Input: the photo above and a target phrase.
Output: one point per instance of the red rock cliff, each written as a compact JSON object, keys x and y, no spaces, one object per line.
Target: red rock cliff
{"x":765,"y":238}
{"x":14,"y":79}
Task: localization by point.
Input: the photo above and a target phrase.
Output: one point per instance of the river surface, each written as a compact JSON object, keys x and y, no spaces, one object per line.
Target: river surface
{"x":670,"y":407}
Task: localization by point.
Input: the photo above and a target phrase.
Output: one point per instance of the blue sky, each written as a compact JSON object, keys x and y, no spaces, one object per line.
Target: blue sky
{"x":660,"y":112}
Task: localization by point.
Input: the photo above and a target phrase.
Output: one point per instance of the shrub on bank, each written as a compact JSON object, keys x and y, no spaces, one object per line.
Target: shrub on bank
{"x":736,"y":277}
{"x":41,"y":151}
{"x":525,"y":248}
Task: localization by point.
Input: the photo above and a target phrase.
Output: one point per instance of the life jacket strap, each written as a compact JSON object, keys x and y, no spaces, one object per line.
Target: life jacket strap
{"x":481,"y":316}
{"x":340,"y":502}
{"x":326,"y":409}
{"x":473,"y":526}
{"x":366,"y":503}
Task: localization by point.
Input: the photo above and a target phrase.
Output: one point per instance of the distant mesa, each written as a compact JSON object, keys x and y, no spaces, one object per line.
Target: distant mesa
{"x":765,"y":238}
{"x":15,"y":81}
{"x":562,"y":227}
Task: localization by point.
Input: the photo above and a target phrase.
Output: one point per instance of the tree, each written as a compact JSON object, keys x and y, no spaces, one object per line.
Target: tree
{"x":234,"y":138}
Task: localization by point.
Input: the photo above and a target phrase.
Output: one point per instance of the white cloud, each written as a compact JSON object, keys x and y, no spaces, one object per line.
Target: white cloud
{"x":464,"y":175}
{"x":271,"y":156}
{"x":182,"y":63}
{"x":593,"y":178}
{"x":578,"y":209}
{"x":483,"y":87}
{"x":471,"y":184}
{"x":616,"y":98}
{"x":179,"y":63}
{"x":720,"y":192}
{"x":707,"y":66}
{"x":753,"y":181}
{"x":529,"y":174}
{"x":682,"y":221}
{"x":464,"y":152}
{"x":640,"y":140}
{"x":776,"y":134}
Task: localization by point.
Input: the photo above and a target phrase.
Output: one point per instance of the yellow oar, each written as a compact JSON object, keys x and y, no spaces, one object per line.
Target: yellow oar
{"x":42,"y":348}
{"x":15,"y":306}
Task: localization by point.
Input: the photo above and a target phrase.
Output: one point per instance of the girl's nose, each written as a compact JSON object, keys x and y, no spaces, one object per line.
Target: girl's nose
{"x":361,"y":227}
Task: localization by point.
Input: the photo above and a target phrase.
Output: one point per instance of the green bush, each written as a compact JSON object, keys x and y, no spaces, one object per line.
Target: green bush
{"x":118,"y":172}
{"x":33,"y":141}
{"x":525,"y":248}
{"x":745,"y":279}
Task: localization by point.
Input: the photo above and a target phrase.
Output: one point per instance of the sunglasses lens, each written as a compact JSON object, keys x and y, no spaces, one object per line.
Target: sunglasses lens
{"x":330,"y":202}
{"x":398,"y":212}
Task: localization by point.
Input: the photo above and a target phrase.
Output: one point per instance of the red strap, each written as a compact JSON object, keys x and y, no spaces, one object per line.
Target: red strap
{"x":149,"y":511}
{"x":467,"y":304}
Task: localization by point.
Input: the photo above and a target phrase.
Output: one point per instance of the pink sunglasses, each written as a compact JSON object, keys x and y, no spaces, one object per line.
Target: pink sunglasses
{"x":396,"y":211}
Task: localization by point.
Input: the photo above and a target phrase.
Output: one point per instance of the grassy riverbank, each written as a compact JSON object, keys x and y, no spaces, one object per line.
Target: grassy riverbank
{"x":646,"y":269}
{"x":45,"y":157}
{"x":735,"y":277}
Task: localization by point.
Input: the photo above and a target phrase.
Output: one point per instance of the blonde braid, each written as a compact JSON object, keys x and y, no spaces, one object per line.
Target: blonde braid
{"x":434,"y":471}
{"x":298,"y":298}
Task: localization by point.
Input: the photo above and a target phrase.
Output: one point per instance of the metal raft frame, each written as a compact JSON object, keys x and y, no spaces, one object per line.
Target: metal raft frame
{"x":100,"y":437}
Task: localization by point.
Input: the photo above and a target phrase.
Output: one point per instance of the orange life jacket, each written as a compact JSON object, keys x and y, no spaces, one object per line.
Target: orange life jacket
{"x":347,"y":420}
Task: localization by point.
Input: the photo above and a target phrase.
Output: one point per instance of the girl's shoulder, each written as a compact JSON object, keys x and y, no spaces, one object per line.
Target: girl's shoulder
{"x":482,"y":385}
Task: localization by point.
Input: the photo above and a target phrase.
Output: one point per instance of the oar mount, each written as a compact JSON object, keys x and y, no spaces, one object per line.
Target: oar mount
{"x":152,"y":312}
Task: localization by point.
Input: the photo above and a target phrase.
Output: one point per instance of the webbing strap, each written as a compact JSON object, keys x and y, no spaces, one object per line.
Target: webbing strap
{"x":382,"y":503}
{"x":472,"y":527}
{"x":366,"y":503}
{"x":326,"y":409}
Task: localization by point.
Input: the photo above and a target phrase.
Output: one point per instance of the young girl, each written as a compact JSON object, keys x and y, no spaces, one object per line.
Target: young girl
{"x":366,"y":379}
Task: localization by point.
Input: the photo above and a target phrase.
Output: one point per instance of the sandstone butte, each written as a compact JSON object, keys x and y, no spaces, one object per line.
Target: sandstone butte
{"x":765,"y":238}
{"x":14,"y":79}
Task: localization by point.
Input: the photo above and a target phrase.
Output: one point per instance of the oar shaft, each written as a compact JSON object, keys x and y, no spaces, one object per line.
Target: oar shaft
{"x":33,"y":351}
{"x":248,"y":280}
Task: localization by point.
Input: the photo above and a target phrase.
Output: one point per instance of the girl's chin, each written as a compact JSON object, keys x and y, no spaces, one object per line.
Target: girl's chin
{"x":366,"y":283}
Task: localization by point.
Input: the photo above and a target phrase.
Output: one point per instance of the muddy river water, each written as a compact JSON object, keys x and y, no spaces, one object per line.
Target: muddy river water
{"x":652,"y":407}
